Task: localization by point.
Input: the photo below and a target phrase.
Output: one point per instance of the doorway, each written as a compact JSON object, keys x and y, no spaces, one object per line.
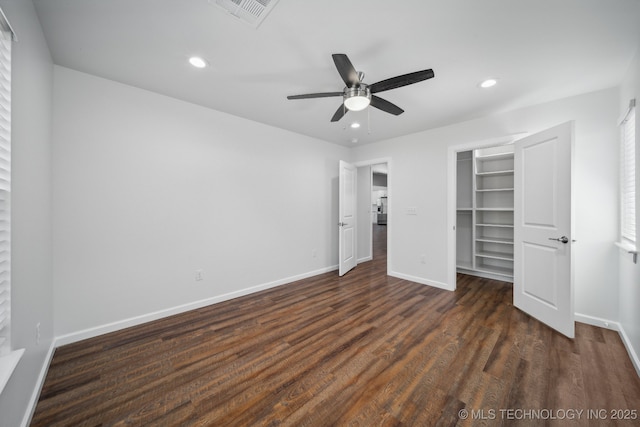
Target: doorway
{"x":463,"y":215}
{"x":374,"y":210}
{"x":484,"y":212}
{"x":379,"y":209}
{"x":540,"y":216}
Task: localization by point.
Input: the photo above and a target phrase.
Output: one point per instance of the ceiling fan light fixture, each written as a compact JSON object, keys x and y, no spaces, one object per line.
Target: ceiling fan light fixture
{"x":357,"y":98}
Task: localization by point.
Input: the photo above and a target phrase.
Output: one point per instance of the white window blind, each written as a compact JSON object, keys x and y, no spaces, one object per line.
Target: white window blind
{"x":5,"y":191}
{"x":628,"y":175}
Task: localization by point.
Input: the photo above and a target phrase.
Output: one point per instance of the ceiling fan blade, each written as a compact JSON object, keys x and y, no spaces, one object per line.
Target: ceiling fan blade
{"x":346,"y":70}
{"x":386,"y":106}
{"x":315,"y":95}
{"x":340,"y":112}
{"x":403,"y":80}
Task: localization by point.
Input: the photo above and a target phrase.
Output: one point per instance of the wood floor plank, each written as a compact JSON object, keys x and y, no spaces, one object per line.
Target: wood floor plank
{"x":364,"y":349}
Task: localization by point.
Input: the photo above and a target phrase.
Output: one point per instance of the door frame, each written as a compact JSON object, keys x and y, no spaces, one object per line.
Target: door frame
{"x":452,"y":166}
{"x":372,"y":162}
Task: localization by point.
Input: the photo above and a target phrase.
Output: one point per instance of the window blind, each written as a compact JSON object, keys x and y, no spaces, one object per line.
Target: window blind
{"x":5,"y":191}
{"x":628,"y":175}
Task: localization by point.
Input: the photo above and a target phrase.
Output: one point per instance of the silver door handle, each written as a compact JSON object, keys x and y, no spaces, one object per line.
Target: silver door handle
{"x":342,"y":224}
{"x":563,"y":239}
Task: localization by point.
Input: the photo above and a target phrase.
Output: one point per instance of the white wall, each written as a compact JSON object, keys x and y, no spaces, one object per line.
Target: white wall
{"x":630,"y":272}
{"x":31,"y":207}
{"x":364,"y":251}
{"x":148,"y":189}
{"x":420,"y":176}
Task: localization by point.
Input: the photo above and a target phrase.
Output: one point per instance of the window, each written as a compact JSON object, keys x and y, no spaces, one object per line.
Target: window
{"x":5,"y":185}
{"x":628,"y":176}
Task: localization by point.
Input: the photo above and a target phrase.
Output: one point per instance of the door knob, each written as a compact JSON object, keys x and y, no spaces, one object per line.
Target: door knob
{"x":563,"y":239}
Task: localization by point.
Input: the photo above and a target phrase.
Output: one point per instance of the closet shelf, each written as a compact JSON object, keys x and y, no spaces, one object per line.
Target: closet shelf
{"x":497,"y":156}
{"x":496,"y":225}
{"x":501,"y":240}
{"x":495,"y":255}
{"x":488,"y":190}
{"x":495,"y":209}
{"x":507,"y":272}
{"x":496,"y":173}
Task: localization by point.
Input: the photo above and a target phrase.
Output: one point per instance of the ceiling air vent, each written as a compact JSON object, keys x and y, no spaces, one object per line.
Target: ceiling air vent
{"x":250,"y":12}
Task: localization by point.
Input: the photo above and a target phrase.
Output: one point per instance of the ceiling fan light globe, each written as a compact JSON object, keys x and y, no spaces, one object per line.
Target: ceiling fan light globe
{"x":357,"y":103}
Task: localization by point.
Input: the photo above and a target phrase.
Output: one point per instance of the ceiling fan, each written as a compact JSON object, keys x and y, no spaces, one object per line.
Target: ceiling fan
{"x":358,"y":95}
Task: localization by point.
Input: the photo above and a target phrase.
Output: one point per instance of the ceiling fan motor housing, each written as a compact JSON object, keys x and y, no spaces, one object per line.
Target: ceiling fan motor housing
{"x":357,"y":98}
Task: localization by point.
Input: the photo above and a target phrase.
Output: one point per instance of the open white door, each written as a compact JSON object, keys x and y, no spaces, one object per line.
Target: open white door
{"x":347,"y":216}
{"x":543,"y":282}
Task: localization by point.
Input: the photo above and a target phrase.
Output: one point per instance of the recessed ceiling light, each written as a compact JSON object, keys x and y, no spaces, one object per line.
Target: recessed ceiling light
{"x":197,"y":62}
{"x":488,"y":83}
{"x":355,"y":125}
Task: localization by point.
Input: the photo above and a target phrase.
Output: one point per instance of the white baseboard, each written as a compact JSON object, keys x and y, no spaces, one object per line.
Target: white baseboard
{"x":138,"y":320}
{"x":35,"y":395}
{"x":597,"y":321}
{"x":365,"y":259}
{"x":422,"y":281}
{"x":632,"y":352}
{"x":614,"y":326}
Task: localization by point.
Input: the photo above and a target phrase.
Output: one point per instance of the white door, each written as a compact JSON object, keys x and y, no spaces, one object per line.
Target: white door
{"x":543,"y":282}
{"x":347,"y":218}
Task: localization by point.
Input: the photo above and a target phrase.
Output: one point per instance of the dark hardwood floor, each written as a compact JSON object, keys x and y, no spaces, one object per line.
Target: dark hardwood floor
{"x":365,"y":349}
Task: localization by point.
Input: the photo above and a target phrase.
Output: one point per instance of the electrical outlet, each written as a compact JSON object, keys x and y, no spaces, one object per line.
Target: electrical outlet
{"x":423,"y":258}
{"x":199,"y":275}
{"x":412,"y":210}
{"x":38,"y":333}
{"x":314,"y":253}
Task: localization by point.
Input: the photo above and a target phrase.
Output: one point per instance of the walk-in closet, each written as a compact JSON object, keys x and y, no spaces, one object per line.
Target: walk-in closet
{"x":484,"y":212}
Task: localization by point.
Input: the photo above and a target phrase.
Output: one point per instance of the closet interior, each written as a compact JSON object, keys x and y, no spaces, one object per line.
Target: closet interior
{"x":484,"y":212}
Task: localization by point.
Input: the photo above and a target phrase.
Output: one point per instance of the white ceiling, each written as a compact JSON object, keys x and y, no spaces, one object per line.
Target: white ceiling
{"x":540,"y":50}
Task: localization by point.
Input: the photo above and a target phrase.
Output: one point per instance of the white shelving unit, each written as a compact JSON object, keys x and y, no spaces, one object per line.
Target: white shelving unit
{"x":485,"y":213}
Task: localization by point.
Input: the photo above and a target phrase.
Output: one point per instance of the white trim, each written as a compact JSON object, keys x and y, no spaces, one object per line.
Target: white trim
{"x":630,"y":350}
{"x":149,"y":317}
{"x":597,"y":321}
{"x":35,"y":395}
{"x":625,"y":116}
{"x":614,"y":326}
{"x":422,"y":281}
{"x":629,"y":248}
{"x":8,"y":364}
{"x":4,"y":22}
{"x":365,"y":259}
{"x":626,"y":246}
